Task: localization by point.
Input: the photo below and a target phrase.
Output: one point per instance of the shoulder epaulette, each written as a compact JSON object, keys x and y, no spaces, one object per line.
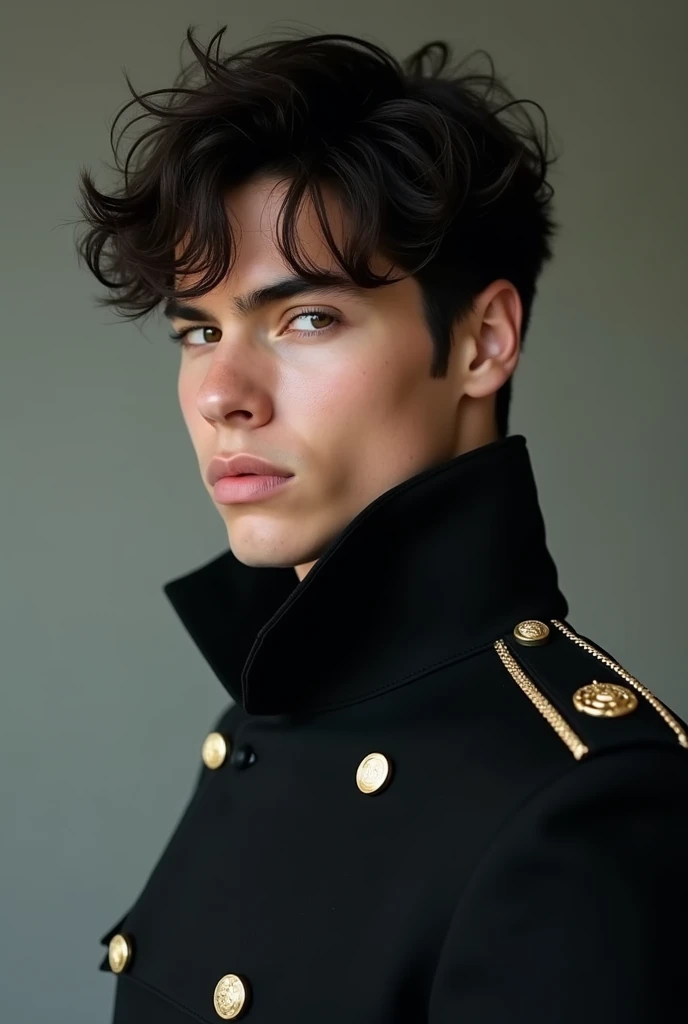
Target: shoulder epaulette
{"x":579,"y":688}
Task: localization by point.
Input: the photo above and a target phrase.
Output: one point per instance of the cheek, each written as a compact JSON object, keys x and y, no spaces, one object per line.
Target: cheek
{"x":389,"y":418}
{"x":324,"y":400}
{"x":375,"y":392}
{"x":353,"y":398}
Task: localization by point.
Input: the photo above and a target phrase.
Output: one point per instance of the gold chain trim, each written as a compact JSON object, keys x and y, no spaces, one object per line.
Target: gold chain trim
{"x":547,"y":710}
{"x":663,"y":712}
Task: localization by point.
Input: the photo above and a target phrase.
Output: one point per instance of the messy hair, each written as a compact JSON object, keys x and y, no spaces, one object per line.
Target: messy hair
{"x":439,"y":169}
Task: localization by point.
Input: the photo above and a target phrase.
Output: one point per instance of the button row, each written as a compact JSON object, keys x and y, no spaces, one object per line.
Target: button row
{"x":372,"y":775}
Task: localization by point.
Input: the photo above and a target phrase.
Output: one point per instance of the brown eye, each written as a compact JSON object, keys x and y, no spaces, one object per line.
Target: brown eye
{"x":186,"y":333}
{"x":313,"y":319}
{"x":206,"y":333}
{"x":211,"y":330}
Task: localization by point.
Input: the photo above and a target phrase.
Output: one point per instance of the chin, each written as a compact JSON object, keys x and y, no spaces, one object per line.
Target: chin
{"x":271,"y":553}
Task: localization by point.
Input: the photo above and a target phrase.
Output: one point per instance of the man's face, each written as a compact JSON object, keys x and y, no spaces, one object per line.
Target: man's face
{"x":341,"y":396}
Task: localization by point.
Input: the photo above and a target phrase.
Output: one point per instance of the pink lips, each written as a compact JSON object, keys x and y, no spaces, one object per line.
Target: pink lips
{"x":229,"y":490}
{"x":235,"y":465}
{"x":243,"y":477}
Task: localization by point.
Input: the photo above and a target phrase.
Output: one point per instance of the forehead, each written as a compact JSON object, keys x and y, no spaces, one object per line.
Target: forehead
{"x":253,"y":212}
{"x":256,"y":205}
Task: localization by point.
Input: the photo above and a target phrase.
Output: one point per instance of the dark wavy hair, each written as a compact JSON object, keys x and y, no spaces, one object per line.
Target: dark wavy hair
{"x":440,"y":169}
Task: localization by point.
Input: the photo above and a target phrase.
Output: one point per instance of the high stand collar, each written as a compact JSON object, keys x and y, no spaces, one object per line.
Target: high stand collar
{"x":433,"y":569}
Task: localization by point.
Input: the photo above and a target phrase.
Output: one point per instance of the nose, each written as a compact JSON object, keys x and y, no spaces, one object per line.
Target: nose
{"x":234,"y":389}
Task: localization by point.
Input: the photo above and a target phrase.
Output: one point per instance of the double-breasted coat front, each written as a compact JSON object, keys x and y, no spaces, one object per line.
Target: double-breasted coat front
{"x":432,"y":800}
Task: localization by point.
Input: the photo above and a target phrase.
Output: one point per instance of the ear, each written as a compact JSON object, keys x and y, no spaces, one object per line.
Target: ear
{"x":492,"y":339}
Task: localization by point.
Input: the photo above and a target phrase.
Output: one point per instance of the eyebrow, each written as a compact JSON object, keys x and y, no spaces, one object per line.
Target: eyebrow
{"x":259,"y":298}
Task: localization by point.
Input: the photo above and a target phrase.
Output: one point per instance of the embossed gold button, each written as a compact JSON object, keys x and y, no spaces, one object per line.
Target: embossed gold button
{"x":531,"y":633}
{"x":229,"y":996}
{"x":215,"y":750}
{"x":605,"y":700}
{"x":119,"y":953}
{"x":374,"y":772}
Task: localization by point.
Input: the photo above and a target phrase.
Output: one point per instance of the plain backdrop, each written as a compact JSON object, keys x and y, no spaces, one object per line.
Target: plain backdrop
{"x":105,"y":700}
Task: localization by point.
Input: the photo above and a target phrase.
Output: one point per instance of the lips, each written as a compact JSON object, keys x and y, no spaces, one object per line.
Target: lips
{"x":241,"y":464}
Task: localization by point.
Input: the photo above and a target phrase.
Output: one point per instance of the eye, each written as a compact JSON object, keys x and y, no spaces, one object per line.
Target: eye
{"x":314,"y":315}
{"x":185,"y":333}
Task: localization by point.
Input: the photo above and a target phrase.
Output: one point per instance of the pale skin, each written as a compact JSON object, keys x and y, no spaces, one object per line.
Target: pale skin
{"x":349,"y":407}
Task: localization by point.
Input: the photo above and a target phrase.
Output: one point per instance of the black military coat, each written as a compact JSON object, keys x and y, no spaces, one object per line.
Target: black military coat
{"x":433,"y":800}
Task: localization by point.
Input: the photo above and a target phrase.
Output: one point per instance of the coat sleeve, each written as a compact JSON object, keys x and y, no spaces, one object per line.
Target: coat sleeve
{"x":577,"y":913}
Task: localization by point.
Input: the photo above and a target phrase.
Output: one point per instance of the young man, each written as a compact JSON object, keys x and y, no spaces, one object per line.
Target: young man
{"x":432,"y":799}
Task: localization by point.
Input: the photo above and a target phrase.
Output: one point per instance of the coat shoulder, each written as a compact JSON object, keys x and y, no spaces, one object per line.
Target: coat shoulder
{"x":592,"y":702}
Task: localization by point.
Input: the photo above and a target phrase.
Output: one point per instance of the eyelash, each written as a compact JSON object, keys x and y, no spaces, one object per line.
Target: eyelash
{"x":179,"y":336}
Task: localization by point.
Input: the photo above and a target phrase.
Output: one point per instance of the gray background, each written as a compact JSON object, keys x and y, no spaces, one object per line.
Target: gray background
{"x":105,"y":701}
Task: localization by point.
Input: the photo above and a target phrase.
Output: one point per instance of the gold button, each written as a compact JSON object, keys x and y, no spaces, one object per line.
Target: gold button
{"x":215,"y":750}
{"x":374,"y":772}
{"x":531,"y":633}
{"x":229,"y":996}
{"x":605,"y":700}
{"x":119,"y":953}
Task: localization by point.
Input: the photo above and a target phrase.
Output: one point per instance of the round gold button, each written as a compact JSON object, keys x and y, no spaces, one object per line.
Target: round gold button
{"x":215,"y":750}
{"x":119,"y":953}
{"x":605,"y":700}
{"x":531,"y":633}
{"x":229,"y":996}
{"x":374,"y":772}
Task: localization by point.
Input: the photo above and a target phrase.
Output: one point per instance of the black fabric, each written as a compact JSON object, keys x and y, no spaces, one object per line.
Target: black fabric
{"x":496,"y":877}
{"x":571,"y":914}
